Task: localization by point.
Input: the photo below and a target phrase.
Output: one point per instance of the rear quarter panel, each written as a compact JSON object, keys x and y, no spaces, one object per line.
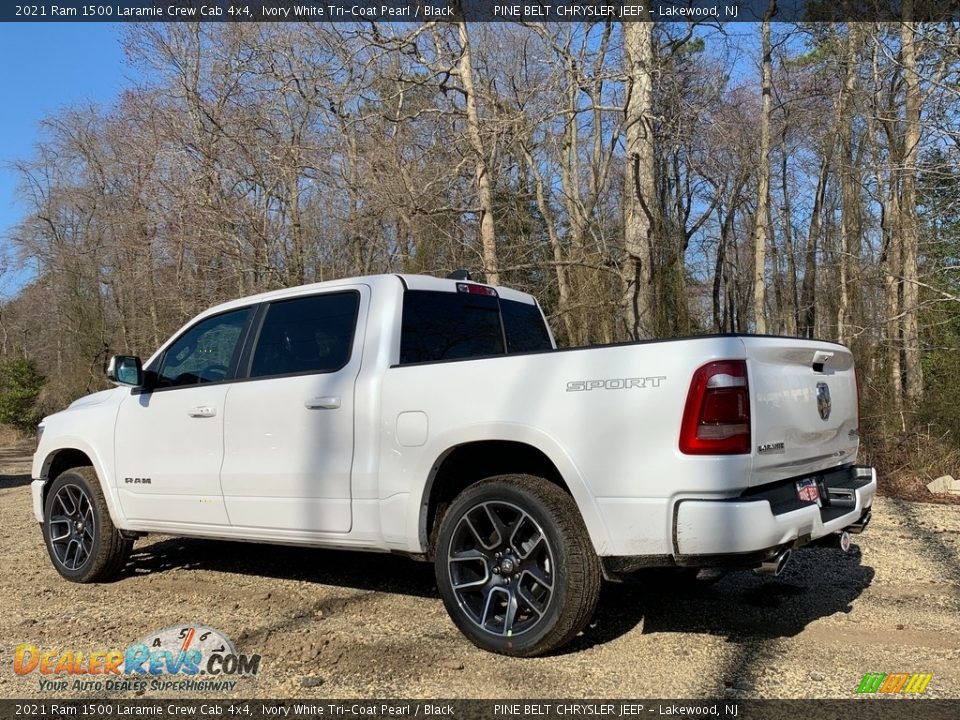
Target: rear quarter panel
{"x":608,"y":418}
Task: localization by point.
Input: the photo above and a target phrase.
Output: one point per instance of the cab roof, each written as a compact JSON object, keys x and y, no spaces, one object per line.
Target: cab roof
{"x":410,"y":282}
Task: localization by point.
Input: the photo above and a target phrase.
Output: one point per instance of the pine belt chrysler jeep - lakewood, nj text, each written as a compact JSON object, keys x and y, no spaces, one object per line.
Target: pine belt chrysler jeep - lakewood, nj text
{"x":436,"y":418}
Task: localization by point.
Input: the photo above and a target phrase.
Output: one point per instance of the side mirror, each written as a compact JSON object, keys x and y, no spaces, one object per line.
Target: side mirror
{"x":125,"y":370}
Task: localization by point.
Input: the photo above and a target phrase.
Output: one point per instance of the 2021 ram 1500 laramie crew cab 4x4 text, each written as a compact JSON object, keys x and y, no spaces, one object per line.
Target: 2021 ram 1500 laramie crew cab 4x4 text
{"x":436,"y":418}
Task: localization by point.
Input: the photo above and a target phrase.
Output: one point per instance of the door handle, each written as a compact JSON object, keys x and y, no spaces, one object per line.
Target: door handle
{"x":202,"y":411}
{"x":322,"y":403}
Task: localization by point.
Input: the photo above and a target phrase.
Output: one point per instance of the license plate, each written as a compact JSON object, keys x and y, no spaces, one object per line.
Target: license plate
{"x":808,"y":491}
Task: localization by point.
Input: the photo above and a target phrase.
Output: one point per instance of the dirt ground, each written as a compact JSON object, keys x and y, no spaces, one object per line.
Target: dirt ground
{"x":334,"y":624}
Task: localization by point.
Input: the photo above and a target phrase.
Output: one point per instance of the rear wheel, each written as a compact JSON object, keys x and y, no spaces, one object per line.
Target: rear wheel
{"x":82,"y":541}
{"x":515,"y":567}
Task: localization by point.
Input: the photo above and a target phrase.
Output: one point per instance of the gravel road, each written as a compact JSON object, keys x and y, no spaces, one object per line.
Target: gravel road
{"x":333,"y":624}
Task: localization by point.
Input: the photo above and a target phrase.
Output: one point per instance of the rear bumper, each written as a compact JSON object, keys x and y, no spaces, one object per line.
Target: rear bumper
{"x":751,"y":528}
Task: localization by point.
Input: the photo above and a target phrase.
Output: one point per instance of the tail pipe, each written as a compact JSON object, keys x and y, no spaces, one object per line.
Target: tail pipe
{"x":775,"y":565}
{"x":840,"y":539}
{"x":843,"y":540}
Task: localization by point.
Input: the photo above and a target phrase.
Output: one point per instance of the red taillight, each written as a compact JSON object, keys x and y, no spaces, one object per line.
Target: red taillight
{"x":716,"y":418}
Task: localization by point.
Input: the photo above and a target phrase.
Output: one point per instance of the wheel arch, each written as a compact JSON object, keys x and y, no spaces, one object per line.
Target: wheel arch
{"x":467,"y":462}
{"x":71,"y":455}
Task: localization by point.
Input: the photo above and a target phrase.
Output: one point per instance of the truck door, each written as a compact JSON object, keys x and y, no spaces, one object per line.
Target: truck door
{"x":169,"y":439}
{"x":289,"y":425}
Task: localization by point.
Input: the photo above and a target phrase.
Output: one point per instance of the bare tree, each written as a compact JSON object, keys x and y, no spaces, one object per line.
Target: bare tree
{"x":913,"y":370}
{"x":641,"y":212}
{"x":761,"y":219}
{"x":488,"y":235}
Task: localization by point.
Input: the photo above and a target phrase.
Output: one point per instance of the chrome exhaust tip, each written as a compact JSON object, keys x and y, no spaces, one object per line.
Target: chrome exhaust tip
{"x":843,"y":541}
{"x":775,"y":565}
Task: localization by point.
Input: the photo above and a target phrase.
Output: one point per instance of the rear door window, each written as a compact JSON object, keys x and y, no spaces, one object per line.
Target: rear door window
{"x":449,"y":326}
{"x":306,"y":335}
{"x":455,"y":326}
{"x":524,"y":326}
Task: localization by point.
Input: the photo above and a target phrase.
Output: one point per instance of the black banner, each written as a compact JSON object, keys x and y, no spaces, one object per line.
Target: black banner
{"x":419,"y":11}
{"x":854,"y":709}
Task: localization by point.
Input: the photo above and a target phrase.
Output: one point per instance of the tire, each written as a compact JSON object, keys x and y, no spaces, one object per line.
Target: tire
{"x":81,"y":539}
{"x":515,"y":567}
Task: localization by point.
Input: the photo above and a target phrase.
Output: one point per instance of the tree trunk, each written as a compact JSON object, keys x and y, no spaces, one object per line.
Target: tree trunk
{"x":792,"y":317}
{"x":488,"y":236}
{"x":893,"y":263}
{"x":556,"y":248}
{"x":641,"y":216}
{"x":883,"y":114}
{"x":849,"y":192}
{"x":808,"y":301}
{"x":913,"y":372}
{"x":761,"y":219}
{"x":719,"y":321}
{"x":578,"y":283}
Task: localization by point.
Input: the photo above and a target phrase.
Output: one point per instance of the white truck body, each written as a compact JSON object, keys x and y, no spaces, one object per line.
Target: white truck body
{"x":717,"y":451}
{"x":258,"y":464}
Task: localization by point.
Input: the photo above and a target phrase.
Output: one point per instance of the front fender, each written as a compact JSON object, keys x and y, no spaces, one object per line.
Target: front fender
{"x":48,"y":451}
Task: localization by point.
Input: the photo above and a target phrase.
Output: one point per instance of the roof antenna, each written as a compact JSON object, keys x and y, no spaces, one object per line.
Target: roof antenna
{"x":459,"y":275}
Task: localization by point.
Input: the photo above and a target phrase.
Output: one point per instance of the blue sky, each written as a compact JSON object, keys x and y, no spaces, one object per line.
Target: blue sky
{"x":48,"y":66}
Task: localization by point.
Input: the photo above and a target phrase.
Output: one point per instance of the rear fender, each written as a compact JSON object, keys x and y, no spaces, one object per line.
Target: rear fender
{"x":443,"y":444}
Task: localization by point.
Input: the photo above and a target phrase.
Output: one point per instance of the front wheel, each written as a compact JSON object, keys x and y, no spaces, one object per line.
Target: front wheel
{"x":515,"y":567}
{"x":82,"y":541}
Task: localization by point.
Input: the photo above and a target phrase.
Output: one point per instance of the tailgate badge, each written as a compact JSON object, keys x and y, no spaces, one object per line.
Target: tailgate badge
{"x":774,"y":448}
{"x":823,"y":400}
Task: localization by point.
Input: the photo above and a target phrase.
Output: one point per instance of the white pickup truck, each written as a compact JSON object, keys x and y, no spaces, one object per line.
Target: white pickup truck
{"x":436,"y":418}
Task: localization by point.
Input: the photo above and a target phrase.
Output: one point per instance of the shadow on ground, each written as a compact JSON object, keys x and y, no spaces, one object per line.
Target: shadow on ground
{"x":360,"y":570}
{"x":15,"y":458}
{"x":13,"y":481}
{"x":741,"y":607}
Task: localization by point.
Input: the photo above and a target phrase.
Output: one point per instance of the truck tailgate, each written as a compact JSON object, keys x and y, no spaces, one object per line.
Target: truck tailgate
{"x":804,"y":416}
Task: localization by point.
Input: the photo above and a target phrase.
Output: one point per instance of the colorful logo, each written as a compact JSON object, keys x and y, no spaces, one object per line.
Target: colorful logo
{"x":894,"y":683}
{"x":188,"y":650}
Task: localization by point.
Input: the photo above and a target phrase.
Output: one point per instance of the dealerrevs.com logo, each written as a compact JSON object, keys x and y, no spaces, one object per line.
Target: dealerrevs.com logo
{"x":894,"y":683}
{"x":187,"y":657}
